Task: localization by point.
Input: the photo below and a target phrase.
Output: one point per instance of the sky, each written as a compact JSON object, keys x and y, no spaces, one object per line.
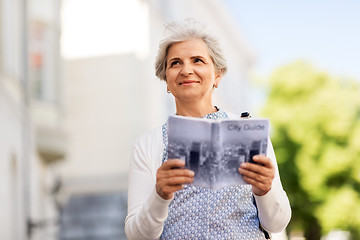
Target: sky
{"x":325,"y":33}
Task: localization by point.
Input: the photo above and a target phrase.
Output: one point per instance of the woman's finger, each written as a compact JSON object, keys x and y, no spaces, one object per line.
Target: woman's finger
{"x":263,"y":160}
{"x":179,"y":180}
{"x":172,"y":163}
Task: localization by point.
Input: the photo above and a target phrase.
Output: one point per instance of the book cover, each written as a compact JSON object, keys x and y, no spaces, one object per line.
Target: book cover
{"x":214,"y":149}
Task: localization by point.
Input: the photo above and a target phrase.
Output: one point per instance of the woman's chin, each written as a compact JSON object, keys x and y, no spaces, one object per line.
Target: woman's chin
{"x":192,"y":96}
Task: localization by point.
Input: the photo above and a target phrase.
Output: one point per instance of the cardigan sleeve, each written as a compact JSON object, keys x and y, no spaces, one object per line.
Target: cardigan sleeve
{"x":147,"y":211}
{"x":274,"y":207}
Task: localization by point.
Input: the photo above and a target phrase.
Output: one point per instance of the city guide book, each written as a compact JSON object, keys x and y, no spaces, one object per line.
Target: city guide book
{"x":214,"y":149}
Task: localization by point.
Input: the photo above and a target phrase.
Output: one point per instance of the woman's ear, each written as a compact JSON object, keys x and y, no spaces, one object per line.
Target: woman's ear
{"x":218,"y":76}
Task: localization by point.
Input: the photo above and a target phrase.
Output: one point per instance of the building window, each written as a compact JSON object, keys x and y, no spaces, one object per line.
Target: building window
{"x":43,"y":61}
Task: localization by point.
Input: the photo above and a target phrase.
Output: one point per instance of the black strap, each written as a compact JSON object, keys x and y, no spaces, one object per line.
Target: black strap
{"x":267,"y":235}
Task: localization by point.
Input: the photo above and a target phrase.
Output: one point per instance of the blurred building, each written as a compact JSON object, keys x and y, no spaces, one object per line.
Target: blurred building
{"x":68,"y":120}
{"x":15,"y":139}
{"x":32,"y":135}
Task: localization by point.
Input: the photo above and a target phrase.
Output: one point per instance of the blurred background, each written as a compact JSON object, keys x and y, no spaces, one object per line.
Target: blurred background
{"x":77,"y":87}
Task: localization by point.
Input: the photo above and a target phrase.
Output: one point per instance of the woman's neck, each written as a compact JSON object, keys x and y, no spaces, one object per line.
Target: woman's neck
{"x":193,"y":109}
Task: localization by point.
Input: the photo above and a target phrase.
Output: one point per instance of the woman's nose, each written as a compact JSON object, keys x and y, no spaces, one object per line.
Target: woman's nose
{"x":187,"y":69}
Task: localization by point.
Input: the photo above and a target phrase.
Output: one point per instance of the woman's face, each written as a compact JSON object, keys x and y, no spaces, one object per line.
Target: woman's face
{"x":190,"y":72}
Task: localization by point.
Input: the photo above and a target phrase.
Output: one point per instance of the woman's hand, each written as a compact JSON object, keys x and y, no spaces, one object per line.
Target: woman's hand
{"x":259,"y":176}
{"x":171,"y":177}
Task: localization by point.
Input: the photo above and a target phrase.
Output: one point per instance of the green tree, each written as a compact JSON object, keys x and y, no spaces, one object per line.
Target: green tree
{"x":315,"y":123}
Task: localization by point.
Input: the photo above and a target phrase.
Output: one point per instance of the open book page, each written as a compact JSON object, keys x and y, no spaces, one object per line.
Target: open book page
{"x":214,"y":150}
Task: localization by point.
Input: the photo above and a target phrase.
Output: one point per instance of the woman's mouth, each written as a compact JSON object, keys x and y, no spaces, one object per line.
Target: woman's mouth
{"x":188,"y":82}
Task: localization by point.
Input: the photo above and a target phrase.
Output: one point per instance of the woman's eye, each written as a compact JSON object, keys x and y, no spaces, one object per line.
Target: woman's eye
{"x":174,"y":63}
{"x":199,"y":60}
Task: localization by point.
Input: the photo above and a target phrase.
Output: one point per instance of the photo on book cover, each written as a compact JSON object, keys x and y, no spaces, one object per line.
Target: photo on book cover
{"x":215,"y":149}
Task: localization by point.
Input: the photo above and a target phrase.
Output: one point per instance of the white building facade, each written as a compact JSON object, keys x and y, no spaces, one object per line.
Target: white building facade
{"x":31,"y":138}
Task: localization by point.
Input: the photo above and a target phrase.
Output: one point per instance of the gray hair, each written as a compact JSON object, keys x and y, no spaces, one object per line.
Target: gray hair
{"x":187,"y":30}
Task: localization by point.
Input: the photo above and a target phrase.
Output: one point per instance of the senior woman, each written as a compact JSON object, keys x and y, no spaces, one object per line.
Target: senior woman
{"x":162,"y":204}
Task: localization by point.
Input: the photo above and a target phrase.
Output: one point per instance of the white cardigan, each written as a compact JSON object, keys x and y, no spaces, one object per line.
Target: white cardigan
{"x":147,"y":211}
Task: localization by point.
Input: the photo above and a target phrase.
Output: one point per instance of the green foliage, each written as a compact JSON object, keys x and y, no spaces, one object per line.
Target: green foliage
{"x":316,"y":135}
